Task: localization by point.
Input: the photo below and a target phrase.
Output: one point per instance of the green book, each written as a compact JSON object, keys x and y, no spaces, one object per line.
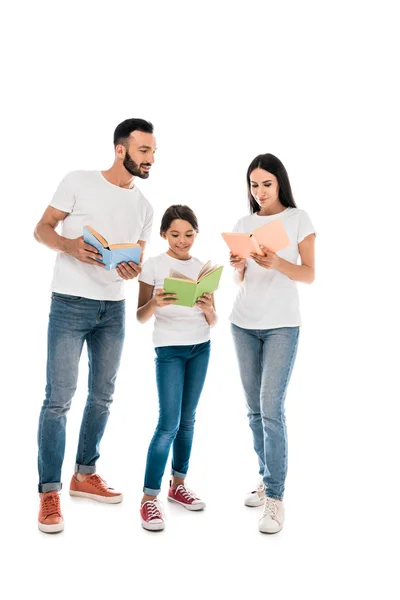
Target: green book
{"x":188,"y":290}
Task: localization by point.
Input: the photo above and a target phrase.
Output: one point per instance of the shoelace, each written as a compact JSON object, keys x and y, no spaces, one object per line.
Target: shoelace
{"x":51,"y":504}
{"x":154,"y":509}
{"x":270,"y":508}
{"x":186,"y":492}
{"x":98,"y":482}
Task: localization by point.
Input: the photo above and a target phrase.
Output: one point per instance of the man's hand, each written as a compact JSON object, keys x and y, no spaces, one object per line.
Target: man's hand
{"x":269,"y":260}
{"x":128,"y":270}
{"x":84,"y":252}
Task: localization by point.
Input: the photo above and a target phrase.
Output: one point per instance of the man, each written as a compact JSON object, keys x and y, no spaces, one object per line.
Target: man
{"x":88,"y":306}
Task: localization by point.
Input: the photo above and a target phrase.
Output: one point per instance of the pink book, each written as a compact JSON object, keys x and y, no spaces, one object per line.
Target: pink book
{"x":272,"y":235}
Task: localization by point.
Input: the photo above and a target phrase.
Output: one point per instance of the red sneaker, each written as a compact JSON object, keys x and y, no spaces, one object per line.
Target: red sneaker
{"x":182,"y":495}
{"x":50,"y":518}
{"x":152,"y":515}
{"x":95,"y":488}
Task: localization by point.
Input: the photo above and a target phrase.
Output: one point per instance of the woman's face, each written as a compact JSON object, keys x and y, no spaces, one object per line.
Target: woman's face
{"x":264,"y":188}
{"x":180,"y":237}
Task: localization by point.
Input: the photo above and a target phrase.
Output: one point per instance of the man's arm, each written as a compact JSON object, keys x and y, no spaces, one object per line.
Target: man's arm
{"x":45,"y":234}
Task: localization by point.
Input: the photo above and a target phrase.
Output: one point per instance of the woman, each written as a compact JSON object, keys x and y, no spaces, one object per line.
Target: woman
{"x":265,"y":325}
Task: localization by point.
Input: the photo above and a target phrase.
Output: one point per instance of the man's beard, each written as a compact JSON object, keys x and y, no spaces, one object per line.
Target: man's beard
{"x":133,"y":168}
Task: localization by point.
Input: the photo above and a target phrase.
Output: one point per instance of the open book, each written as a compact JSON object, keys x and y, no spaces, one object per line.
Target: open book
{"x":112,"y":254}
{"x":272,"y":236}
{"x":188,"y":290}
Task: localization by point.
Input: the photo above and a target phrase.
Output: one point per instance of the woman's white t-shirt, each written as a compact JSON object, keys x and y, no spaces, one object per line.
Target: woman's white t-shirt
{"x":268,"y":299}
{"x":120,"y":215}
{"x":175,"y":325}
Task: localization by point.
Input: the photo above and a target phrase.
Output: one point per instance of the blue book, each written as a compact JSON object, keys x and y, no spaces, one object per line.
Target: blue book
{"x":111,"y":254}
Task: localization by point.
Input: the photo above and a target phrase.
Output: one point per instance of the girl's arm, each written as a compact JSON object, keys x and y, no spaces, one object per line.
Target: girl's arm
{"x":305,"y":272}
{"x":206,"y":303}
{"x":147,"y":303}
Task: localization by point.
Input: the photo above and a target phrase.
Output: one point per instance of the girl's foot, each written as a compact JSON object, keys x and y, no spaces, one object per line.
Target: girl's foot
{"x":185,"y":497}
{"x":152,"y":515}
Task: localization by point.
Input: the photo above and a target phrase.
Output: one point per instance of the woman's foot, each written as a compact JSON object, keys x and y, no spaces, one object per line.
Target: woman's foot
{"x":152,"y":515}
{"x":257,"y":496}
{"x":185,"y":497}
{"x":273,"y":516}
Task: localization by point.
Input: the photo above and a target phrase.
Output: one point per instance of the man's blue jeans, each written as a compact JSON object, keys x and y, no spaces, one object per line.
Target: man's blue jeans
{"x":266,"y":358}
{"x":180,"y":373}
{"x":74,"y":320}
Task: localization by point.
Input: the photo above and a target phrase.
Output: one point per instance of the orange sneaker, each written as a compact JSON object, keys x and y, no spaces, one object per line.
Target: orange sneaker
{"x":95,"y":488}
{"x":50,"y":518}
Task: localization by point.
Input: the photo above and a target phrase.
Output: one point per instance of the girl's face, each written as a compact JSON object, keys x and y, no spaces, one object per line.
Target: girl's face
{"x":264,"y":189}
{"x":180,"y":237}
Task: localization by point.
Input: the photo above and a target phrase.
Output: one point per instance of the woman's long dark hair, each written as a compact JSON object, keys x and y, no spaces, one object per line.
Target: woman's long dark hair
{"x":273,"y":165}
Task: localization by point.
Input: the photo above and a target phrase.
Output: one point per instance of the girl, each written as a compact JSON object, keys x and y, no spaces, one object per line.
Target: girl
{"x":265,"y":326}
{"x":182,"y":344}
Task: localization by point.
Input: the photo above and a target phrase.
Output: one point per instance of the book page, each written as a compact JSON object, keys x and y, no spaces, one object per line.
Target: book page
{"x":272,"y":235}
{"x":205,"y":269}
{"x":176,"y":275}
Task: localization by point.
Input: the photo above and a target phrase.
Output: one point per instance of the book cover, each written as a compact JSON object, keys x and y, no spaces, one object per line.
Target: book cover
{"x":188,"y":290}
{"x":112,"y":254}
{"x":272,"y":235}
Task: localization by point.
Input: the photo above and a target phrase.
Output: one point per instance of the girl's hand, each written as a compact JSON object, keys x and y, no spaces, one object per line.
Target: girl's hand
{"x":269,"y":260}
{"x":238,"y":263}
{"x":163,"y":298}
{"x":204,"y":303}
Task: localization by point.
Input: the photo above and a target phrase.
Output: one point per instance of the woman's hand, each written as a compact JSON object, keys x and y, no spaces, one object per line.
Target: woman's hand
{"x":237,"y":262}
{"x":163,"y":298}
{"x":269,"y":260}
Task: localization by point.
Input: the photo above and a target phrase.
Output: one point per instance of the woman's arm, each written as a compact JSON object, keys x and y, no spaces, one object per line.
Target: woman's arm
{"x":239,"y":264}
{"x":305,"y":272}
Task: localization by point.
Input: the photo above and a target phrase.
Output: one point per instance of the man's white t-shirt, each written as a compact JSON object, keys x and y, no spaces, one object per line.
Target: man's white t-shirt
{"x":120,"y":215}
{"x":267,"y":299}
{"x":175,"y":325}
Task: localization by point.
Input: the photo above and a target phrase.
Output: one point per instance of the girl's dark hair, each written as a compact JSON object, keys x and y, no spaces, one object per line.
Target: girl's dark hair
{"x":273,"y":165}
{"x":178,"y":211}
{"x":124,"y":129}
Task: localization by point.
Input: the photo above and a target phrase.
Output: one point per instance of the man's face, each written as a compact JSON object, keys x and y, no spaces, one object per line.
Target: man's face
{"x":140,"y":154}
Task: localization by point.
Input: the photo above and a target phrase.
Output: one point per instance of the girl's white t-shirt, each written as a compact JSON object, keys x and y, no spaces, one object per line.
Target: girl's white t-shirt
{"x":175,"y":325}
{"x":267,"y":299}
{"x":120,"y":215}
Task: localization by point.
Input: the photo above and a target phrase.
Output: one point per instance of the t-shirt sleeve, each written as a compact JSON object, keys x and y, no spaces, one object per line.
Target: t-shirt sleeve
{"x":65,"y":195}
{"x":305,"y":227}
{"x":147,"y":274}
{"x":145,"y":234}
{"x":238,"y":227}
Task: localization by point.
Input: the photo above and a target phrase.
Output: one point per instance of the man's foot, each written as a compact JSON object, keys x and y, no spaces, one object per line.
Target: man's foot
{"x":185,"y":497}
{"x":152,"y":515}
{"x":50,"y":518}
{"x":94,"y":488}
{"x":257,"y":496}
{"x":273,"y":516}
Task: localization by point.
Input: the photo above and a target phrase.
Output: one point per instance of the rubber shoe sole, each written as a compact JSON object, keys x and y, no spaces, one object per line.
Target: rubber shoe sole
{"x":97,"y":497}
{"x":55,"y":528}
{"x":152,"y":526}
{"x":188,"y":506}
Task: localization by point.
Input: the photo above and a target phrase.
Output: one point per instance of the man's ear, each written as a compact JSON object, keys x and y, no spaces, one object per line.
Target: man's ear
{"x":120,"y":151}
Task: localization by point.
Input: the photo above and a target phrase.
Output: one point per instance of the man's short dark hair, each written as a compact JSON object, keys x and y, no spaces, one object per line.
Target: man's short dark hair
{"x":124,"y":129}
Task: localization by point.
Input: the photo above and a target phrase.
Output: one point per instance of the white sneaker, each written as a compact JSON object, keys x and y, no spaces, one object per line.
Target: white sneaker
{"x":257,"y":497}
{"x":273,"y":516}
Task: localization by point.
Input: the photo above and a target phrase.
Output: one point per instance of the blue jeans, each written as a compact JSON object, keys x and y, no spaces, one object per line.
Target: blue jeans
{"x":266,"y":358}
{"x":74,"y":320}
{"x":180,"y":373}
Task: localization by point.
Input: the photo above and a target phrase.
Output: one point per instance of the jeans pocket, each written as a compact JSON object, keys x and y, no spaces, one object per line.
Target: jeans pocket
{"x":65,"y":297}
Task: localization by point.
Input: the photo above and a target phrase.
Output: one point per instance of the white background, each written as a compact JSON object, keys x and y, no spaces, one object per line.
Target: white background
{"x":315,"y":84}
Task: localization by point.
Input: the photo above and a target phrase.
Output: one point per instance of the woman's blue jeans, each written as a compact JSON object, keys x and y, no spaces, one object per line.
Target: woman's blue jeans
{"x":266,"y":358}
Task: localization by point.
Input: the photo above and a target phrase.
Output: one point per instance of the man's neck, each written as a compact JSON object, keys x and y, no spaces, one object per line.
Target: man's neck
{"x":119,"y":176}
